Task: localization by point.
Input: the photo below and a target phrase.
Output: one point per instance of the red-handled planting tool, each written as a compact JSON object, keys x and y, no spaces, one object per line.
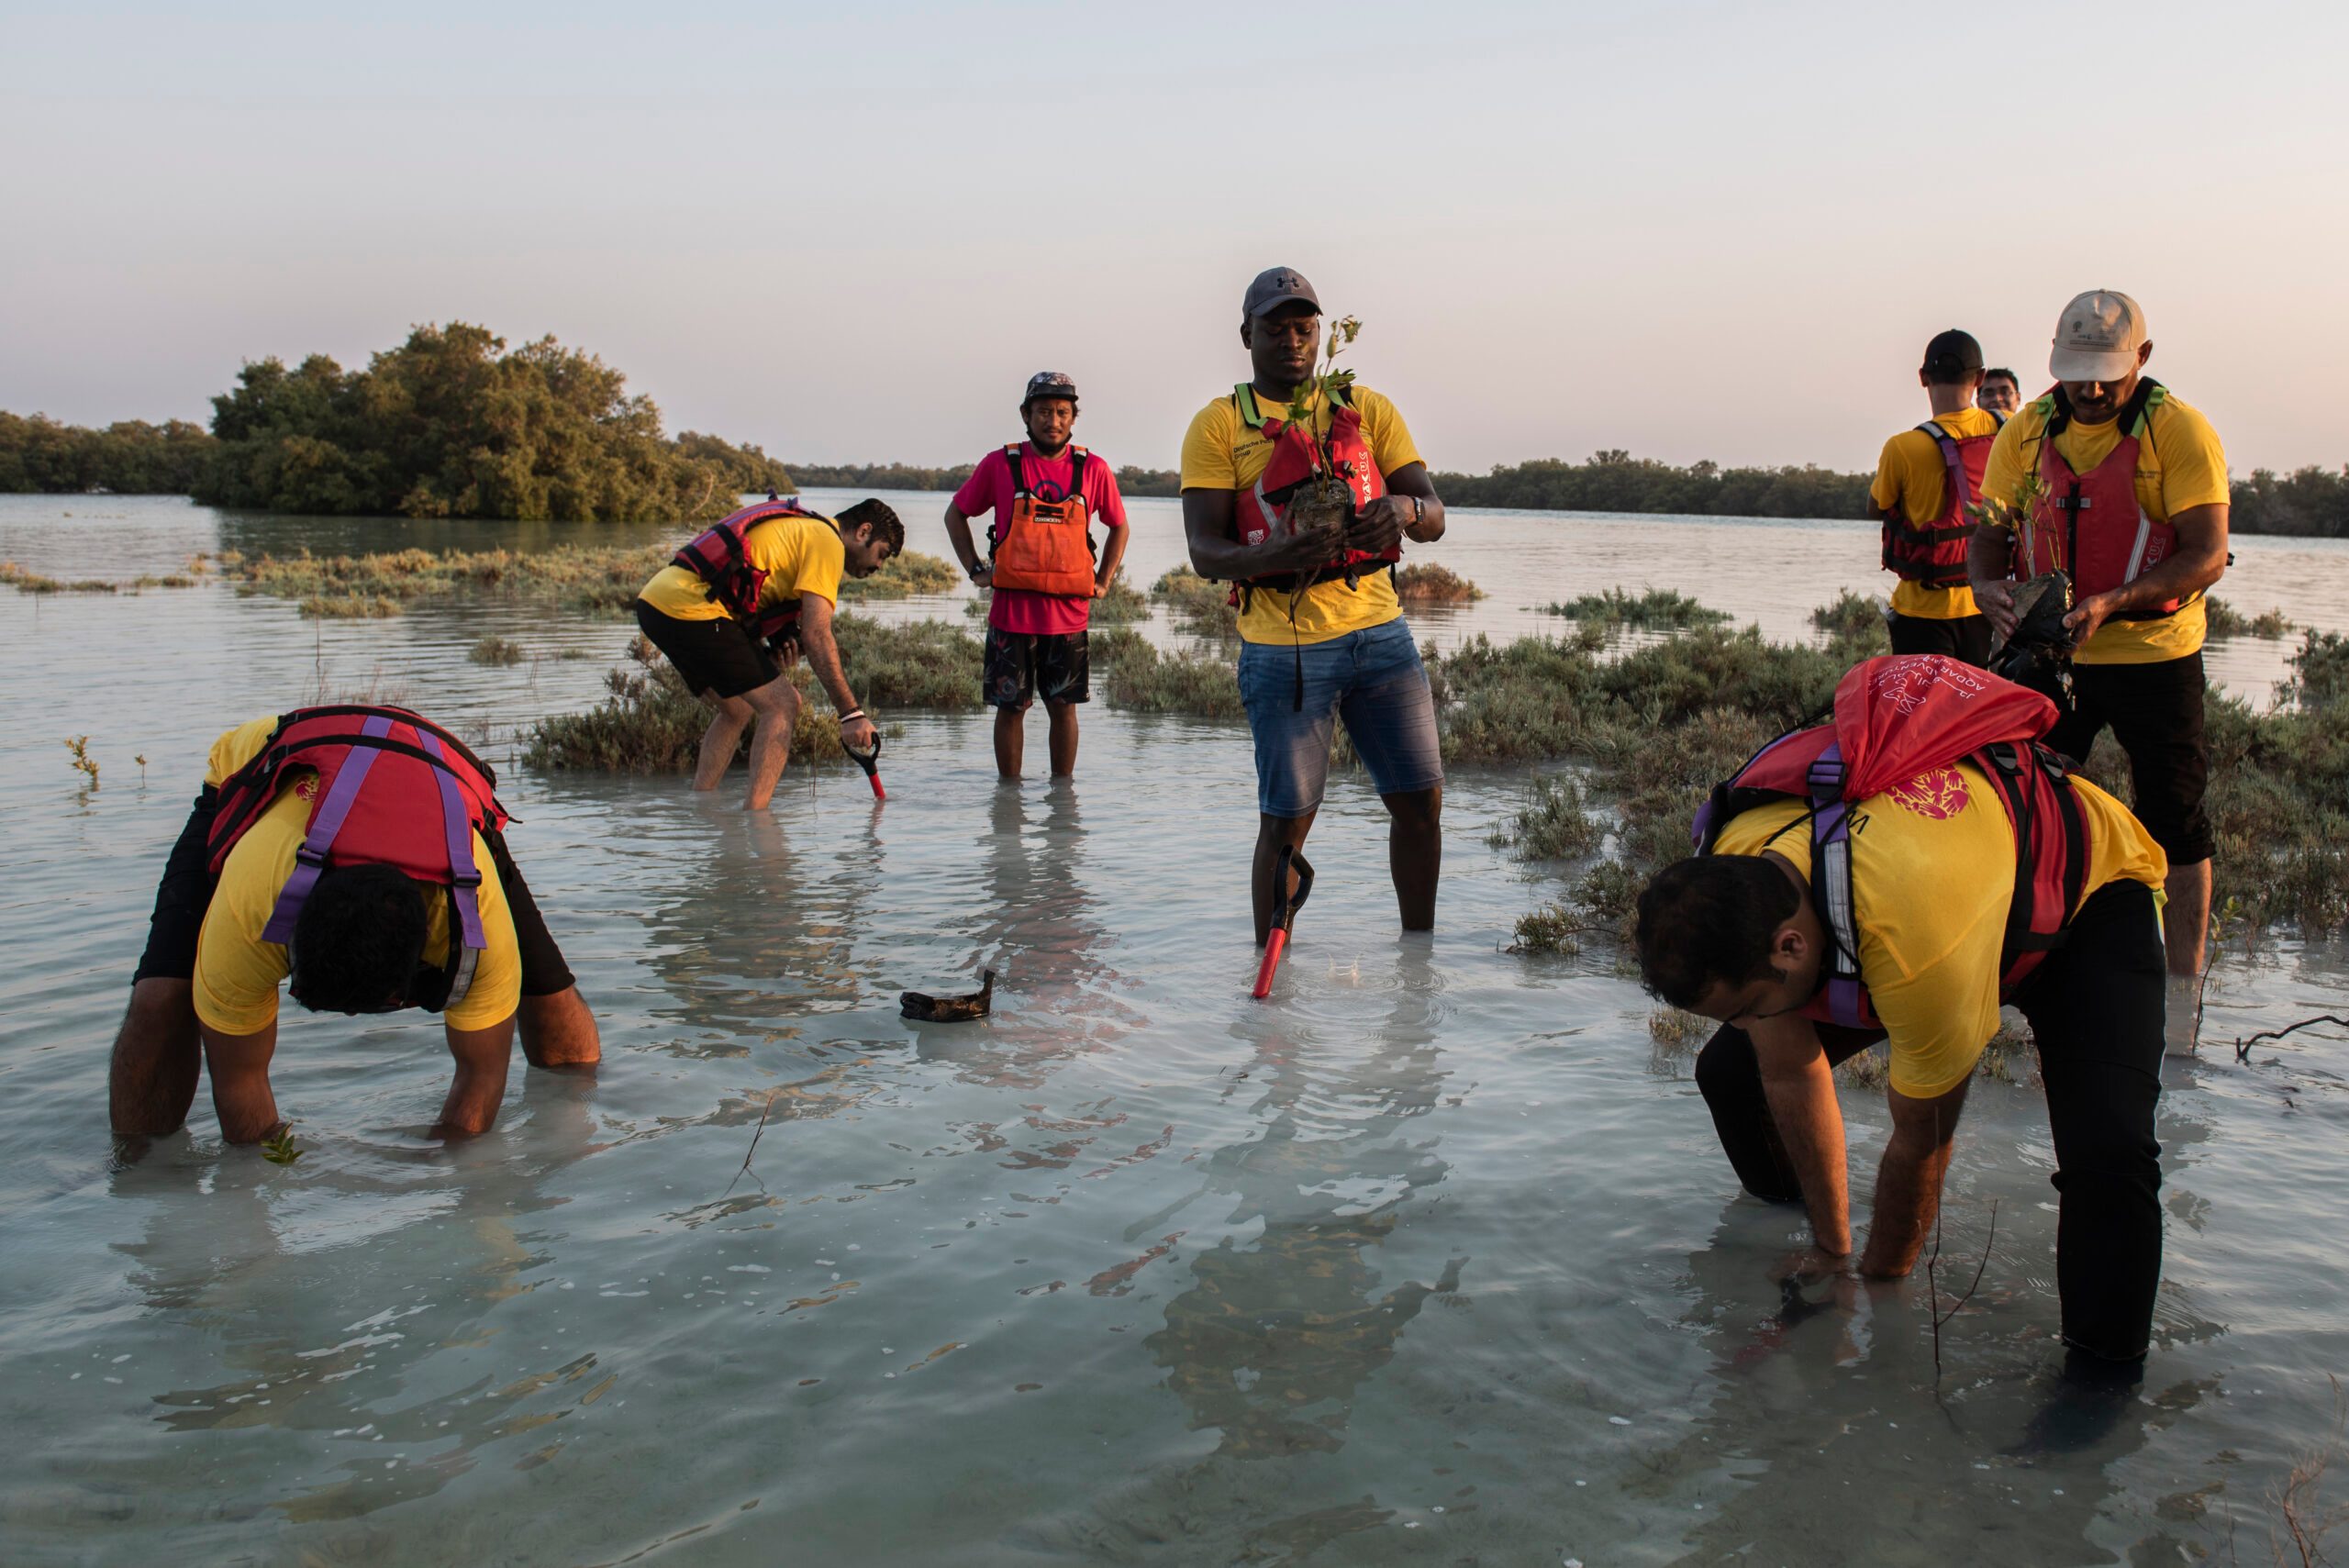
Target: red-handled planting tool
{"x":1284,"y":914}
{"x":871,"y":762}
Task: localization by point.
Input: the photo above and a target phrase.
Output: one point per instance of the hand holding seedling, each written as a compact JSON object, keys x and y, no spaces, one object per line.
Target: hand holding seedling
{"x":1378,"y":526}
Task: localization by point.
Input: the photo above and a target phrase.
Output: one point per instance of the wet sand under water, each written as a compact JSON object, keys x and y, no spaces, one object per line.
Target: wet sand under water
{"x":1429,"y":1259}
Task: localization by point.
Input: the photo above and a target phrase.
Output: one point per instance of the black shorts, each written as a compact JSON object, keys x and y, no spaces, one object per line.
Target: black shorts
{"x":186,"y":892}
{"x":1964,"y":638}
{"x":1021,"y":665}
{"x":2155,"y":711}
{"x":719,"y":658}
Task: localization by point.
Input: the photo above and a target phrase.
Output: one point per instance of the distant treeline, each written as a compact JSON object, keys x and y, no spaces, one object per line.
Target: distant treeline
{"x":1132,"y":481}
{"x":449,"y":424}
{"x":38,"y":455}
{"x":1618,"y":482}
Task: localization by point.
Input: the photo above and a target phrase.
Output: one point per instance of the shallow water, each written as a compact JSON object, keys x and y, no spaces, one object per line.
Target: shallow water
{"x":1429,"y":1260}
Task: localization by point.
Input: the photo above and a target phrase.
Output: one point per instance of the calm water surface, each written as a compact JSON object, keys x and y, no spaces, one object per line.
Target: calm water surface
{"x":1429,"y":1260}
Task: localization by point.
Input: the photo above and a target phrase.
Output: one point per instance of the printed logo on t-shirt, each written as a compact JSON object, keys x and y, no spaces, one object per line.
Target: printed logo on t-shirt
{"x":1937,"y":795}
{"x":307,"y":786}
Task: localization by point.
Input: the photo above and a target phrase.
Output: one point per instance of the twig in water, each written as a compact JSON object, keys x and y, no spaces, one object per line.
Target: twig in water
{"x":1939,"y":1317}
{"x":2307,"y":1523}
{"x":2242,"y":1047}
{"x":765,"y":1106}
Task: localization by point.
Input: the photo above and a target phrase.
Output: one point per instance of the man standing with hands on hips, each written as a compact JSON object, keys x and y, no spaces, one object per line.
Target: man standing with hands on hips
{"x":1041,"y":569}
{"x":2113,"y":480}
{"x":1322,"y":633}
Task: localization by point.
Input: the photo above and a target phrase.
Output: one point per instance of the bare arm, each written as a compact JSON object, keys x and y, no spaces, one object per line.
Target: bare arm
{"x":2200,"y":559}
{"x":1207,"y":525}
{"x":479,"y":1081}
{"x":1909,"y":1181}
{"x":240,"y":1092}
{"x":1113,"y":555}
{"x":966,"y":550}
{"x":823,"y":652}
{"x":1369,"y":531}
{"x":1800,"y":1087}
{"x":1990,"y":560}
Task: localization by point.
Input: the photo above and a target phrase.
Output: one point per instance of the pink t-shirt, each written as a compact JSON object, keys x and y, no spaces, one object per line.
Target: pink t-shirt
{"x":990,"y":490}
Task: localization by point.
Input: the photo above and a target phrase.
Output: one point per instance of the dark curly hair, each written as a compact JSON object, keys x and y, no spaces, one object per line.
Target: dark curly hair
{"x":885,"y":525}
{"x":1710,"y":920}
{"x":358,"y":940}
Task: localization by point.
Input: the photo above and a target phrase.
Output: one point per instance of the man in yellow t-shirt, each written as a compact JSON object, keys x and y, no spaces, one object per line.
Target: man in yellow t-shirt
{"x":736,"y":606}
{"x":1340,"y":646}
{"x":1737,"y":935}
{"x":1924,"y":515}
{"x":2137,"y":632}
{"x":206,"y":990}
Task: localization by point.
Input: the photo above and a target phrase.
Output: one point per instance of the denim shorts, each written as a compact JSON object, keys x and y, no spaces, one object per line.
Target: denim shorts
{"x":1372,"y":678}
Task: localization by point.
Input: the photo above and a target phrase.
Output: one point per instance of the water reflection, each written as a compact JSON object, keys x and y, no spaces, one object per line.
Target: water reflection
{"x":428,"y":1248}
{"x":1275,"y":1335}
{"x":762,"y":915}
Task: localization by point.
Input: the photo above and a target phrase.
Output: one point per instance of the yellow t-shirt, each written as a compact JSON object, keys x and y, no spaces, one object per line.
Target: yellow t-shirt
{"x":1221,"y":452}
{"x":1932,"y":873}
{"x":237,"y":973}
{"x":1913,"y":480}
{"x":800,"y":555}
{"x":2180,"y":465}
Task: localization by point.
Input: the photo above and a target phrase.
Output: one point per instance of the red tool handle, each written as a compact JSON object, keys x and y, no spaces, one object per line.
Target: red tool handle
{"x":871,"y":762}
{"x":1275,"y":945}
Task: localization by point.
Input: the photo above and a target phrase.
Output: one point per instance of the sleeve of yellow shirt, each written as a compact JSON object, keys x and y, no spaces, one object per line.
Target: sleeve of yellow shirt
{"x":2194,"y":466}
{"x":1383,"y":428}
{"x":237,"y":974}
{"x":236,"y":746}
{"x":1206,"y":448}
{"x":800,"y":556}
{"x":1886,"y":491}
{"x":2007,"y":476}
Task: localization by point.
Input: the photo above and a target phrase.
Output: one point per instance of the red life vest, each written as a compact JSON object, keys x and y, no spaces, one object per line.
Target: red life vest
{"x":2091,"y":524}
{"x":393,"y":789}
{"x":1932,"y":553}
{"x":719,"y":557}
{"x":1261,"y":510}
{"x":1898,"y":718}
{"x":1045,"y":544}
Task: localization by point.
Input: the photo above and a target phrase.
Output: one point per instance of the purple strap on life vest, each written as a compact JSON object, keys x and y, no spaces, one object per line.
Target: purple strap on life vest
{"x":311,"y":858}
{"x":464,"y":877}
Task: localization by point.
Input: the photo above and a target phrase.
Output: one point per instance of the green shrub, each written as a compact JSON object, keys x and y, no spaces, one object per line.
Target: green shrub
{"x":1429,"y":584}
{"x":1656,"y":607}
{"x":496,"y":650}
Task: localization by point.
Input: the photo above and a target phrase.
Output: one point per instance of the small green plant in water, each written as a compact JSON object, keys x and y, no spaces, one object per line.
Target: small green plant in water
{"x":278,"y":1149}
{"x":80,"y":746}
{"x":496,"y":649}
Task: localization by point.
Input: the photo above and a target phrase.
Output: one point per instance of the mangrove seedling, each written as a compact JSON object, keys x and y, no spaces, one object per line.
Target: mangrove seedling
{"x":278,"y":1149}
{"x":80,"y":746}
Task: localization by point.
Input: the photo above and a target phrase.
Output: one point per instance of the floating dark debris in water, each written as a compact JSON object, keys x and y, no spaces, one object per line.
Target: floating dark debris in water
{"x":950,"y":1009}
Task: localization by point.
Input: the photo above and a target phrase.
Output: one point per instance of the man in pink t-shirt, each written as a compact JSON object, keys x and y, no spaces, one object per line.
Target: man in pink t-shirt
{"x":1037,"y":641}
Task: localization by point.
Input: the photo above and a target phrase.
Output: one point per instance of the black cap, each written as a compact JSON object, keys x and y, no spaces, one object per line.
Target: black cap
{"x":1274,"y":287}
{"x":1049,"y":383}
{"x":1952,"y":354}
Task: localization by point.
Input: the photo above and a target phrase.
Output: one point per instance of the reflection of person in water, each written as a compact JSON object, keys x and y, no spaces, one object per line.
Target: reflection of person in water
{"x":1041,"y":932}
{"x":1274,"y":1336}
{"x":350,"y":1358}
{"x":742,"y":980}
{"x":1812,"y":1383}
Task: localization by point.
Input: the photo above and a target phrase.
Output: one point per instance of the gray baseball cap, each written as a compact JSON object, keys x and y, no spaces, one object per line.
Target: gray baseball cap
{"x":1274,"y":287}
{"x":1049,"y":383}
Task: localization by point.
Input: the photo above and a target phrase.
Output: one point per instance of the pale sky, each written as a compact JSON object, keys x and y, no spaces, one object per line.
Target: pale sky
{"x":850,"y":232}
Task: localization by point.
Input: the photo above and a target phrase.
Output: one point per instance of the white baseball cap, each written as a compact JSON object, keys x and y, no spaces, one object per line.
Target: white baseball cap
{"x":2097,"y":337}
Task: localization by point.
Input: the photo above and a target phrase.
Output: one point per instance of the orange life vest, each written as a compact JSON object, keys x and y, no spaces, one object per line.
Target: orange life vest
{"x":1045,"y":544}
